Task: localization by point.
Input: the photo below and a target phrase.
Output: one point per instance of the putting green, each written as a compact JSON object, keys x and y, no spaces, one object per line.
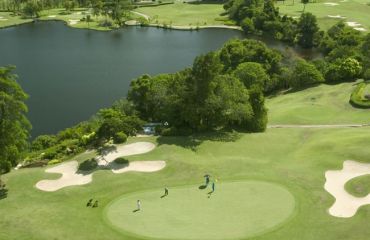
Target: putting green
{"x":235,"y":210}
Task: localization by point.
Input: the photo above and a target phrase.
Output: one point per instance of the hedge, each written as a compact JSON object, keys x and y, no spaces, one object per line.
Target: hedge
{"x":358,"y":96}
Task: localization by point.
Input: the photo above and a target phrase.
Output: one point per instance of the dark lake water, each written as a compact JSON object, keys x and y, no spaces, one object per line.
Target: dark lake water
{"x":71,"y":73}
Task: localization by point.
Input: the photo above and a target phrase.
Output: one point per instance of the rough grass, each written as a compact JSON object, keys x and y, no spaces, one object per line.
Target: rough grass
{"x":359,"y":187}
{"x":185,"y":14}
{"x":324,"y":104}
{"x":353,"y":10}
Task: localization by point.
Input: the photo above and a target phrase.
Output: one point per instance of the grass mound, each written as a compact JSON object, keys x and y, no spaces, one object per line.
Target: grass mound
{"x":235,"y":210}
{"x":359,"y":187}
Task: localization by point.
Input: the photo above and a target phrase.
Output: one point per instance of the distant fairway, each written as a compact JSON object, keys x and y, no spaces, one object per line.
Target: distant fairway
{"x":324,"y":104}
{"x":352,"y":11}
{"x":236,"y":210}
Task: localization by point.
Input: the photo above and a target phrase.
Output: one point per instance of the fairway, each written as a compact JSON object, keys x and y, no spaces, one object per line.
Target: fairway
{"x":330,"y":12}
{"x":235,"y":210}
{"x":185,"y":14}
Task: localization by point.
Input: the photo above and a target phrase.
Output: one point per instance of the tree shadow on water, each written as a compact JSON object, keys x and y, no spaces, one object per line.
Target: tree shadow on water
{"x":192,"y":142}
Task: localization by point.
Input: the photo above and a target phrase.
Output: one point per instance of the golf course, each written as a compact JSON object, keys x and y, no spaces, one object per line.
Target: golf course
{"x":269,"y":185}
{"x":184,"y":120}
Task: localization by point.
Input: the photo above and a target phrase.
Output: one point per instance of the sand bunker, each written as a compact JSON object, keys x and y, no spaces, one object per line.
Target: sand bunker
{"x":331,"y":4}
{"x":345,"y":205}
{"x":139,"y":166}
{"x":353,"y":24}
{"x":71,"y":176}
{"x":124,"y":150}
{"x":3,"y":19}
{"x":73,"y":21}
{"x":336,"y":16}
{"x":360,"y":29}
{"x":51,"y":16}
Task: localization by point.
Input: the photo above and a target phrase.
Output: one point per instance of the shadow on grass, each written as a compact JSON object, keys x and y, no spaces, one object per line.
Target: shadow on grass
{"x":3,"y":193}
{"x":193,"y":141}
{"x":201,"y":187}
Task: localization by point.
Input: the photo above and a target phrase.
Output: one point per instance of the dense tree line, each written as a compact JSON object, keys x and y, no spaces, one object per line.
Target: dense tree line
{"x":14,"y":126}
{"x":222,"y":89}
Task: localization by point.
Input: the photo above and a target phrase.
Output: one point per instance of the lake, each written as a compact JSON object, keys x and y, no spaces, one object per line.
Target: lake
{"x":71,"y":73}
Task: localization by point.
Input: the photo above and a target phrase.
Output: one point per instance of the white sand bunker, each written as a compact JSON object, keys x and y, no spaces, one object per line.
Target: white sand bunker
{"x":71,"y":176}
{"x":336,"y":16}
{"x":345,"y":205}
{"x":51,"y":16}
{"x":331,"y":4}
{"x":124,"y":150}
{"x":3,"y":19}
{"x":140,"y":166}
{"x":360,"y":29}
{"x":73,"y":21}
{"x":353,"y":24}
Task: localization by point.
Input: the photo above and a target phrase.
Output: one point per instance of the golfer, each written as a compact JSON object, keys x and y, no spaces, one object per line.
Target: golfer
{"x":138,"y":205}
{"x":165,"y":191}
{"x":213,"y":186}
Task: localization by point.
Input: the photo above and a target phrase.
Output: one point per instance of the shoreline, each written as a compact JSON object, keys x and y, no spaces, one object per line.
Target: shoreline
{"x":134,"y":23}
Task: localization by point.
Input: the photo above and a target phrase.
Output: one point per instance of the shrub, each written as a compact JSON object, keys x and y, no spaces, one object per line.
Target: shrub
{"x":367,"y":74}
{"x":88,"y":165}
{"x":358,"y":97}
{"x":54,"y":161}
{"x":50,"y":154}
{"x":121,"y":160}
{"x":120,"y":137}
{"x":173,"y":131}
{"x":247,"y":25}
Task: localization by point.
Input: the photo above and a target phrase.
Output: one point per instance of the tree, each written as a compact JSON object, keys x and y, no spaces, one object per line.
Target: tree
{"x":88,"y":20}
{"x":32,"y":9}
{"x":304,"y":4}
{"x":251,"y":73}
{"x":307,"y":30}
{"x":305,"y":74}
{"x":14,"y":126}
{"x":343,"y":70}
{"x":258,"y":122}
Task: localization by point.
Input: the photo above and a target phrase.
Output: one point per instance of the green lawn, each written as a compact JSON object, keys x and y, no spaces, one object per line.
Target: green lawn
{"x":295,"y":159}
{"x":192,"y":213}
{"x":359,"y":187}
{"x":73,"y":19}
{"x":324,"y":104}
{"x":8,"y":19}
{"x":185,"y":14}
{"x":353,"y":11}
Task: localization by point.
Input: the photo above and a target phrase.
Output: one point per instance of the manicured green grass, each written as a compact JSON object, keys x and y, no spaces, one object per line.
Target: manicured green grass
{"x":359,"y":187}
{"x":324,"y":104}
{"x":235,"y":210}
{"x":353,"y":10}
{"x":185,"y":14}
{"x":60,"y":14}
{"x":9,"y":19}
{"x":293,"y":158}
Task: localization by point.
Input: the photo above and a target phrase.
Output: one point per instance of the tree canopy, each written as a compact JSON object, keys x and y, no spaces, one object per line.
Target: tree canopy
{"x":14,"y":126}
